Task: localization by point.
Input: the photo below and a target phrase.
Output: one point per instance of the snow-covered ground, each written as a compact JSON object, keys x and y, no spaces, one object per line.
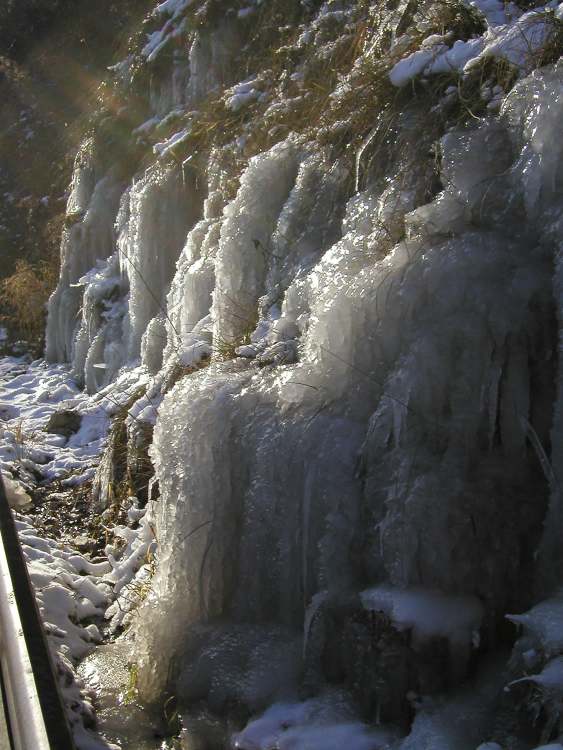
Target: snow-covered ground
{"x":74,"y":593}
{"x":29,"y":396}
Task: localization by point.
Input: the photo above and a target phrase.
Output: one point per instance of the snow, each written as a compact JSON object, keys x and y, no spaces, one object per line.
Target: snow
{"x":517,"y":40}
{"x":139,"y":545}
{"x":158,"y":40}
{"x":457,"y":57}
{"x":147,"y":126}
{"x":518,"y":43}
{"x":497,"y":13}
{"x":544,"y":624}
{"x":408,"y":68}
{"x":74,"y":594}
{"x":15,"y":493}
{"x":428,"y":613}
{"x":327,"y":722}
{"x":243,"y":93}
{"x":550,"y":678}
{"x":172,"y":8}
{"x":67,"y":597}
{"x":166,"y":147}
{"x":246,"y":12}
{"x":28,"y":400}
{"x":286,"y":728}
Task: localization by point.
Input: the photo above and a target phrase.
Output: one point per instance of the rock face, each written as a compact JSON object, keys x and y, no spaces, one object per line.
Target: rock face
{"x":348,"y":303}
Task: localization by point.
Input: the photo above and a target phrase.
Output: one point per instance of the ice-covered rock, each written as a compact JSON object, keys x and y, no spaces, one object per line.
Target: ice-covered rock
{"x":16,"y":495}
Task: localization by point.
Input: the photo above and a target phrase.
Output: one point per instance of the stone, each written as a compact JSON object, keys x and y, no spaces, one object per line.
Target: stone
{"x":65,"y":422}
{"x":84,"y":543}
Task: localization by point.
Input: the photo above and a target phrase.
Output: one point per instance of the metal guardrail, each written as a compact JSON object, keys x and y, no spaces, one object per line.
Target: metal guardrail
{"x":33,"y":704}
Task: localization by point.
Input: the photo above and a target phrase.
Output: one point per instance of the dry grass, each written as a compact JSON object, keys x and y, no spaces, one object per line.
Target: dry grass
{"x":131,"y":467}
{"x":345,"y":95}
{"x":24,"y":439}
{"x":23,"y":298}
{"x":225,"y":349}
{"x":180,"y":371}
{"x":553,"y":49}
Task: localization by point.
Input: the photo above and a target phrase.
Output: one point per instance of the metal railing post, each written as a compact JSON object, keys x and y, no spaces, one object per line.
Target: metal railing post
{"x":36,"y":713}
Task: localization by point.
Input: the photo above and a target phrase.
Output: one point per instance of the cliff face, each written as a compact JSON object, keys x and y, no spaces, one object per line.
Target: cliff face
{"x":327,"y":236}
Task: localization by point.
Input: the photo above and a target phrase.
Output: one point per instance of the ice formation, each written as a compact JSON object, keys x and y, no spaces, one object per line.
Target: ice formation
{"x":354,"y":393}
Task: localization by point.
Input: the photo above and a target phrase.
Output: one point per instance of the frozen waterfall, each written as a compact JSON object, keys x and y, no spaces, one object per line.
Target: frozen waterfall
{"x":357,"y":410}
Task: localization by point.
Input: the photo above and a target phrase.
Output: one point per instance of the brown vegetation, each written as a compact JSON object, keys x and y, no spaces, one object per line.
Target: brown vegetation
{"x":23,"y":298}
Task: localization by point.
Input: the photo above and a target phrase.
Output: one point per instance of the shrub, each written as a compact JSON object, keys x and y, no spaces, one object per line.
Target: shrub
{"x":23,"y":300}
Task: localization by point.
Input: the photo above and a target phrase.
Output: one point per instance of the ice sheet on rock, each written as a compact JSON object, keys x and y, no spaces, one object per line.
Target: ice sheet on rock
{"x":203,"y":531}
{"x":98,"y":351}
{"x":244,"y":248}
{"x":160,"y":212}
{"x":534,"y":108}
{"x":87,"y":238}
{"x":371,"y":329}
{"x":189,"y":325}
{"x":246,"y":664}
{"x":212,"y":57}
